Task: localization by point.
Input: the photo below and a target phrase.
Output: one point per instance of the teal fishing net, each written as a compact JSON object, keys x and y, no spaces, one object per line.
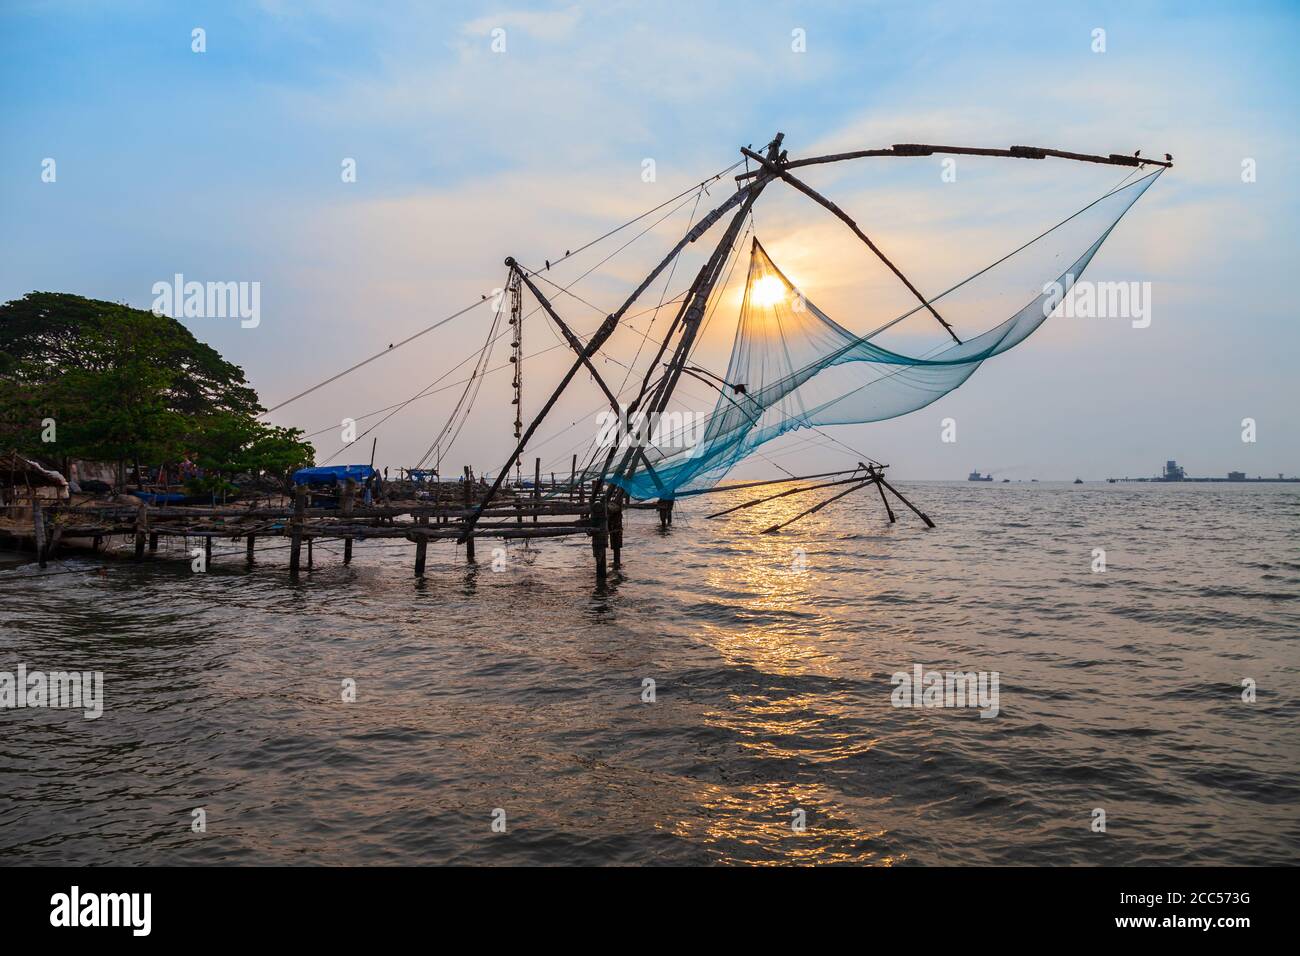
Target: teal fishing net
{"x":794,"y":367}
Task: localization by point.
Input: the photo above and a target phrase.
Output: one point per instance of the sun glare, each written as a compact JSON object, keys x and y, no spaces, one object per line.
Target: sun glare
{"x":769,"y":290}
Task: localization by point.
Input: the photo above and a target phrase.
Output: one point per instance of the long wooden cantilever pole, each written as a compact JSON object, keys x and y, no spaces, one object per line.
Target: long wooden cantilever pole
{"x":569,"y":337}
{"x":601,"y":335}
{"x":780,"y":171}
{"x":1015,"y":152}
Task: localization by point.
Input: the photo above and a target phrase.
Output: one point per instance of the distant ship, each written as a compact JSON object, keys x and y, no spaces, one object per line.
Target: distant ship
{"x":976,"y":476}
{"x":1078,"y":481}
{"x":1175,"y":472}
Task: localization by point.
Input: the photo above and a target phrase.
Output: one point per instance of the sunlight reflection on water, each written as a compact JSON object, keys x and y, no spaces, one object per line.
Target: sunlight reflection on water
{"x":771,"y":656}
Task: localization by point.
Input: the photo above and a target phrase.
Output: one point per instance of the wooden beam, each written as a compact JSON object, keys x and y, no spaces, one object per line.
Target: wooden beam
{"x":817,"y":507}
{"x":782,"y":494}
{"x":766,"y":481}
{"x":883,"y":500}
{"x":1015,"y":152}
{"x":843,"y":216}
{"x":915,"y":510}
{"x":606,"y":329}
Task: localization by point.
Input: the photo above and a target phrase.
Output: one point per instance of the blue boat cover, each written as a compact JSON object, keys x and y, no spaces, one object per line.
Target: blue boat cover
{"x":159,"y":498}
{"x":332,"y":474}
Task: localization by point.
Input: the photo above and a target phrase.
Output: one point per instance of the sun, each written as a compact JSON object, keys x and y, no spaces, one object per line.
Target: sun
{"x":766,"y":291}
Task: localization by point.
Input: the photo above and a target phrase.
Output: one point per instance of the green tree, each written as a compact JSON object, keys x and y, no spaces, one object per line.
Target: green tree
{"x":127,"y":385}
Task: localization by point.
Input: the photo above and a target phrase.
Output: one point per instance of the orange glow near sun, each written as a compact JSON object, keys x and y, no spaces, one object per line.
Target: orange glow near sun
{"x":766,"y":291}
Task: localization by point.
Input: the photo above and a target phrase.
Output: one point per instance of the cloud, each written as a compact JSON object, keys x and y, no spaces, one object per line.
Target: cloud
{"x":549,"y":25}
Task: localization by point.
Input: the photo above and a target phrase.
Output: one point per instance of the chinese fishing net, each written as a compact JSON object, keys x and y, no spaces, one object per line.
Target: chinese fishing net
{"x":794,"y":367}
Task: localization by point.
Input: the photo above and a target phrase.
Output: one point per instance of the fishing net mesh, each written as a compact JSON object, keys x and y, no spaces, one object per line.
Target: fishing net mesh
{"x":794,"y":367}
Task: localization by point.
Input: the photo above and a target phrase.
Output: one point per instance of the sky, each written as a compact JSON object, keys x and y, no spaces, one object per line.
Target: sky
{"x":228,"y":165}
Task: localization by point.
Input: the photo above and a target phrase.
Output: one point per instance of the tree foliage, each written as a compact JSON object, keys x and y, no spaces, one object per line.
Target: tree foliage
{"x":126,"y":385}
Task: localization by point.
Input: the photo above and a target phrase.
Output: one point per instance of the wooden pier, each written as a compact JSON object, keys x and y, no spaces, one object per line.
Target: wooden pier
{"x":564,"y":510}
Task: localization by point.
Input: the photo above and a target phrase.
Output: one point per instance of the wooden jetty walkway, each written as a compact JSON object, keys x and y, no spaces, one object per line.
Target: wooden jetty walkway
{"x":530,"y":512}
{"x":449,"y":511}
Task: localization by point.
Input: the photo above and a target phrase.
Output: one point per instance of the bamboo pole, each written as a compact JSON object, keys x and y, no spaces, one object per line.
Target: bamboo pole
{"x":817,"y":197}
{"x":781,"y":494}
{"x":615,"y":514}
{"x":1015,"y":152}
{"x":766,"y":481}
{"x":915,"y":510}
{"x":295,"y":540}
{"x":599,"y":537}
{"x":38,"y":522}
{"x":815,"y":508}
{"x":141,"y":524}
{"x":883,"y":500}
{"x":602,"y":334}
{"x":468,"y":535}
{"x":349,"y":498}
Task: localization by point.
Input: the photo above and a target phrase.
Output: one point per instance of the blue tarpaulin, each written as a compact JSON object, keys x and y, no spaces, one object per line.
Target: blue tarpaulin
{"x":332,"y":474}
{"x":160,"y":498}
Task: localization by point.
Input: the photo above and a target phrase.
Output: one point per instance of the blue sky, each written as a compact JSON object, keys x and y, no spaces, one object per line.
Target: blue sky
{"x":225,"y":165}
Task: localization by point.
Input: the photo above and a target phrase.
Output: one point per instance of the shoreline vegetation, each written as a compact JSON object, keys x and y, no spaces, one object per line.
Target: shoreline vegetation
{"x":93,"y":381}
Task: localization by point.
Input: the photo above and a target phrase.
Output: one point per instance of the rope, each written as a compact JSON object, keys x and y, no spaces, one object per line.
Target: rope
{"x":457,"y":314}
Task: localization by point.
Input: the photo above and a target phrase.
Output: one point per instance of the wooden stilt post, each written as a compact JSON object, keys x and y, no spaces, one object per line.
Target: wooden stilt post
{"x":252,"y":546}
{"x":599,"y":536}
{"x":469,"y":502}
{"x":880,"y":488}
{"x":349,"y":496}
{"x":141,"y":524}
{"x":207,"y":551}
{"x":615,"y":514}
{"x":153,"y":541}
{"x":38,"y":523}
{"x":295,"y":530}
{"x":573,"y":476}
{"x":915,"y":510}
{"x":537,"y":485}
{"x":421,"y":549}
{"x":309,"y":561}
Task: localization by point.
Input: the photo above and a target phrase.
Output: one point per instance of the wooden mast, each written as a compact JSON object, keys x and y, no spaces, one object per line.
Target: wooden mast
{"x":691,"y":314}
{"x":819,"y":198}
{"x":744,"y":195}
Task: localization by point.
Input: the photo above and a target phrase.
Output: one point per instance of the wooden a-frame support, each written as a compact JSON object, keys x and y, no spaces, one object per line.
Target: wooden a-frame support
{"x":771,"y":166}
